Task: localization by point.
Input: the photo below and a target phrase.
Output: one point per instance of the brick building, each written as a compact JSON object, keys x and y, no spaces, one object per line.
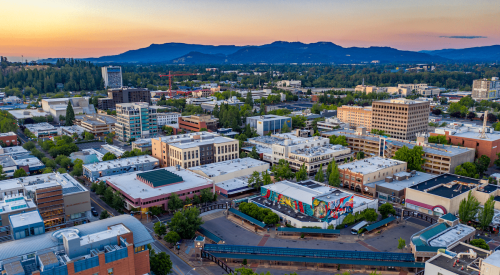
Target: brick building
{"x":9,"y":138}
{"x":196,"y":123}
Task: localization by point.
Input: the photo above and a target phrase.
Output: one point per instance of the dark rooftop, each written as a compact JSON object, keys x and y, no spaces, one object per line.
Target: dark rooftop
{"x":449,"y":193}
{"x":159,"y":178}
{"x":447,"y":263}
{"x":445,"y":191}
{"x":489,"y":188}
{"x":497,"y":198}
{"x":310,"y":184}
{"x":263,"y":202}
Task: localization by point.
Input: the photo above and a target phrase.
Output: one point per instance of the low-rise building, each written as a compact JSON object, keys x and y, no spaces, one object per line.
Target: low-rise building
{"x":196,"y":123}
{"x":225,"y":170}
{"x":57,"y":106}
{"x":119,"y":166}
{"x":209,"y":106}
{"x":12,"y":100}
{"x":143,"y":144}
{"x":44,"y":130}
{"x":70,"y":130}
{"x":13,"y":151}
{"x":154,"y":188}
{"x":30,"y":164}
{"x":9,"y":139}
{"x":227,"y":132}
{"x":268,"y":123}
{"x":200,"y":100}
{"x":87,"y":156}
{"x":462,"y":259}
{"x":330,"y":124}
{"x":28,"y":113}
{"x":96,"y":124}
{"x":167,"y":118}
{"x":289,"y":83}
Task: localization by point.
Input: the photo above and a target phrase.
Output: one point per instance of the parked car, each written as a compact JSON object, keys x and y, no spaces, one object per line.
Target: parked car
{"x":94,"y":212}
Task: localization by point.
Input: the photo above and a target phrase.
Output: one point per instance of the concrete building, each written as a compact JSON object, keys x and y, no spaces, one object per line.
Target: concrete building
{"x":400,"y":118}
{"x":289,"y":83}
{"x":112,"y":76}
{"x":312,"y":152}
{"x":136,"y":120}
{"x":269,"y":123}
{"x":204,"y":92}
{"x":311,"y":203}
{"x":356,"y":174}
{"x":25,"y":161}
{"x":57,"y":106}
{"x":14,"y":150}
{"x":196,"y":123}
{"x":143,"y":144}
{"x":70,"y":130}
{"x":167,"y":118}
{"x":461,"y":259}
{"x":485,"y":89}
{"x":117,"y":245}
{"x":11,"y":100}
{"x":123,"y":95}
{"x":331,"y":123}
{"x":429,"y":91}
{"x":209,"y":106}
{"x":69,"y":202}
{"x":9,"y":138}
{"x":200,"y":100}
{"x":99,"y":125}
{"x":229,"y":169}
{"x":227,"y":132}
{"x":119,"y":166}
{"x":369,"y":89}
{"x":28,"y":113}
{"x":154,"y":188}
{"x":44,"y":130}
{"x":356,"y":116}
{"x":194,"y":149}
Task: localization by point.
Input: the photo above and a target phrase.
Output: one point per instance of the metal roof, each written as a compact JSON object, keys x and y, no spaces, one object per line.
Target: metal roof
{"x":209,"y":234}
{"x":449,"y":217}
{"x":309,"y":230}
{"x":246,"y":217}
{"x":160,"y":177}
{"x":380,"y":223}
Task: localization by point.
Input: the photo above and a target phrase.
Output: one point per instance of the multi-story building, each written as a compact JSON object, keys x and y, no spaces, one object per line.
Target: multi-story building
{"x":43,"y":130}
{"x":113,"y":246}
{"x":312,"y":152}
{"x":11,"y":162}
{"x":94,"y":171}
{"x":196,"y":123}
{"x":60,"y":199}
{"x":209,"y":106}
{"x":204,"y":92}
{"x":400,"y":118}
{"x":331,"y":123}
{"x":112,"y":76}
{"x":289,"y":83}
{"x":136,"y":120}
{"x":356,"y":116}
{"x":123,"y":95}
{"x":167,"y":118}
{"x":57,"y":106}
{"x":96,"y":124}
{"x":269,"y":123}
{"x":356,"y":174}
{"x":194,"y":149}
{"x":9,"y":138}
{"x":200,"y":100}
{"x":229,"y":169}
{"x":71,"y":130}
{"x":485,"y":89}
{"x":429,"y":91}
{"x":370,"y":89}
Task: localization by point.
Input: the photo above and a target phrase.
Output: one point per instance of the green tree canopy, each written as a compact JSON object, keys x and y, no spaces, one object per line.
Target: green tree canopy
{"x":468,"y":208}
{"x":70,"y":114}
{"x":386,"y":209}
{"x":20,"y":173}
{"x":467,"y":169}
{"x":160,"y":264}
{"x":413,"y":157}
{"x":486,"y":213}
{"x":186,"y":222}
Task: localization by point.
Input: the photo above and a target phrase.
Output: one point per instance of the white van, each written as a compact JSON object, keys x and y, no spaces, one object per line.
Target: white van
{"x":357,"y":227}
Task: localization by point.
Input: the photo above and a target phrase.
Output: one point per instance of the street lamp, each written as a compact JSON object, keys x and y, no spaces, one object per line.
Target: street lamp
{"x":192,"y":269}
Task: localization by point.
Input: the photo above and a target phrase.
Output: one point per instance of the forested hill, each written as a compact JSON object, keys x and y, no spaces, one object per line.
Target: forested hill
{"x":75,"y":75}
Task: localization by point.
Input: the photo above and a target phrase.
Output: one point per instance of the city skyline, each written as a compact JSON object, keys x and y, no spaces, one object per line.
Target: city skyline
{"x":95,"y":28}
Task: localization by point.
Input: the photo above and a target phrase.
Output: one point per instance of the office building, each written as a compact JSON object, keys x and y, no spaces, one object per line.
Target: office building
{"x":206,"y":91}
{"x":393,"y":188}
{"x":400,"y":118}
{"x":312,"y":152}
{"x":123,"y":95}
{"x":168,"y":118}
{"x":209,"y":106}
{"x":96,"y":124}
{"x":269,"y":123}
{"x":485,"y":89}
{"x":57,"y":106}
{"x":28,"y":113}
{"x":289,"y":83}
{"x":154,"y":188}
{"x":136,"y":120}
{"x":119,"y":166}
{"x":194,"y":149}
{"x":227,"y":132}
{"x":9,"y":139}
{"x":195,"y":123}
{"x":356,"y":174}
{"x":331,"y":123}
{"x":71,"y":130}
{"x":25,"y":161}
{"x":200,"y":100}
{"x":112,"y":76}
{"x":113,"y":246}
{"x":44,"y":130}
{"x":60,"y":199}
{"x":225,"y":170}
{"x":356,"y":116}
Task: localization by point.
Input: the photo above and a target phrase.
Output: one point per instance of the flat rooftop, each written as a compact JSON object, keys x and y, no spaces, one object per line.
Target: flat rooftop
{"x":319,"y":150}
{"x":118,"y":163}
{"x":268,"y":117}
{"x":280,"y":139}
{"x":28,"y":113}
{"x":26,"y":218}
{"x":235,"y":185}
{"x":493,"y":259}
{"x":446,"y":185}
{"x":14,"y":150}
{"x":188,"y":140}
{"x":68,"y":183}
{"x":44,"y":126}
{"x":288,"y":211}
{"x":370,"y":165}
{"x":15,"y":202}
{"x":30,"y":162}
{"x":399,"y":185}
{"x":228,"y":166}
{"x":8,"y":134}
{"x":129,"y":184}
{"x":450,"y":235}
{"x":112,"y":232}
{"x":436,"y":149}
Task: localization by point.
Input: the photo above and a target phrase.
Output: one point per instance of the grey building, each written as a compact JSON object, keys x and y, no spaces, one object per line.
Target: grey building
{"x":123,"y":95}
{"x":119,"y":166}
{"x":269,"y":123}
{"x":112,"y":76}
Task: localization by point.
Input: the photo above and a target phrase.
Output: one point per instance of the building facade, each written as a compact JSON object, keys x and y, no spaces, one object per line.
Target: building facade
{"x":401,"y":118}
{"x":167,"y":118}
{"x":136,"y":120}
{"x":356,"y":116}
{"x":269,"y":123}
{"x":57,"y":106}
{"x":9,"y":139}
{"x":94,"y":171}
{"x":112,"y":76}
{"x":485,"y":89}
{"x":98,"y":125}
{"x":196,"y":123}
{"x":123,"y":95}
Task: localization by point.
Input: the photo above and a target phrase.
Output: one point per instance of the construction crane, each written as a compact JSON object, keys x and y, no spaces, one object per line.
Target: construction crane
{"x":170,"y":79}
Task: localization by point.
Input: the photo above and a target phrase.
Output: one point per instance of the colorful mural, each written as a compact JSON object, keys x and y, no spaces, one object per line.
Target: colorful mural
{"x":284,"y":200}
{"x":329,"y":211}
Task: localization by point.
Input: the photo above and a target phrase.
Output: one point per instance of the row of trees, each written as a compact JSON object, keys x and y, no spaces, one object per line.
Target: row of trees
{"x":264,"y":215}
{"x":469,"y":211}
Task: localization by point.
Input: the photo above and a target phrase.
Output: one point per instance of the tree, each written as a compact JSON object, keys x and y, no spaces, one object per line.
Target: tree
{"x":160,"y":264}
{"x":62,"y":171}
{"x":20,"y":173}
{"x":271,"y":218}
{"x":411,"y":156}
{"x":349,"y":219}
{"x":340,"y":140}
{"x":320,"y":175}
{"x":30,"y":145}
{"x":486,"y":213}
{"x":334,"y":178}
{"x":401,"y":243}
{"x":172,"y":237}
{"x":467,"y":169}
{"x":203,"y":129}
{"x":160,"y":229}
{"x":285,"y":128}
{"x":436,"y":111}
{"x":104,"y":215}
{"x":301,"y":174}
{"x":89,"y":136}
{"x":206,"y":195}
{"x":497,"y":161}
{"x":249,"y":99}
{"x":482,"y":164}
{"x":2,"y":174}
{"x":70,"y":114}
{"x":108,"y":156}
{"x":254,"y":154}
{"x":370,"y":215}
{"x":108,"y":195}
{"x":101,"y":188}
{"x":386,"y":209}
{"x":266,"y":178}
{"x":360,"y":155}
{"x":117,"y":201}
{"x":255,"y":181}
{"x":471,"y":115}
{"x":77,"y":168}
{"x":468,"y":208}
{"x":480,"y":243}
{"x":282,"y":170}
{"x":174,"y":202}
{"x":186,"y":222}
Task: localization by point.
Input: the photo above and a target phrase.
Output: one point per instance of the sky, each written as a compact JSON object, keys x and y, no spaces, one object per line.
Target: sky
{"x":93,"y":28}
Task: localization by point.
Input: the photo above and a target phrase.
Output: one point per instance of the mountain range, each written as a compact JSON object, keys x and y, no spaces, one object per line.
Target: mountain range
{"x":293,"y":52}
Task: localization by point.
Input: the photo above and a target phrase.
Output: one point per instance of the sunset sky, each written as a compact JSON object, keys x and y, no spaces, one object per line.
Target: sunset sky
{"x":91,"y":28}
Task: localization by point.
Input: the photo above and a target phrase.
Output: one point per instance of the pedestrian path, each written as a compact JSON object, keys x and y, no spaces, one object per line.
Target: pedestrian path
{"x":212,"y":215}
{"x":368,"y":246}
{"x":263,"y":240}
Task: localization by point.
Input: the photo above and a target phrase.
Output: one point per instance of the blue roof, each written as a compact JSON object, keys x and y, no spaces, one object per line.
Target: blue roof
{"x":309,"y":230}
{"x":246,"y":217}
{"x":209,"y":234}
{"x":379,"y":223}
{"x":449,"y":217}
{"x":420,"y":238}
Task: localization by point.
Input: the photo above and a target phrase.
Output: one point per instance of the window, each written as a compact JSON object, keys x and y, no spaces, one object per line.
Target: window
{"x":97,"y":273}
{"x":110,"y":271}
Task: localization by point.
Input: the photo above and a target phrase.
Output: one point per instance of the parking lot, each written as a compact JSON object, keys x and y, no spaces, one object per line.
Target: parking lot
{"x":90,"y":145}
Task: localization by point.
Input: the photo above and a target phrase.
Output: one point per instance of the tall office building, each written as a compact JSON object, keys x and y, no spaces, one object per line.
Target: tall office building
{"x":136,"y":120}
{"x":123,"y":95}
{"x":112,"y":76}
{"x":401,"y":118}
{"x":356,"y":116}
{"x":484,"y":89}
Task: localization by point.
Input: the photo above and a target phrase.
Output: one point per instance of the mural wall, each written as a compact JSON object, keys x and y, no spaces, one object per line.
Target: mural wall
{"x":284,"y":200}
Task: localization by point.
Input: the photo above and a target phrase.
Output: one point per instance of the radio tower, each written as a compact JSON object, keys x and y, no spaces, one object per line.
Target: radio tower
{"x":483,"y":132}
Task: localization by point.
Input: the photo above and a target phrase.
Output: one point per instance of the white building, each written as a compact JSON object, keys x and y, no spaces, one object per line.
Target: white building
{"x":289,"y":83}
{"x":57,"y":106}
{"x":167,"y":118}
{"x":112,"y":76}
{"x":12,"y":100}
{"x":44,"y":129}
{"x":199,"y":100}
{"x":119,"y":166}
